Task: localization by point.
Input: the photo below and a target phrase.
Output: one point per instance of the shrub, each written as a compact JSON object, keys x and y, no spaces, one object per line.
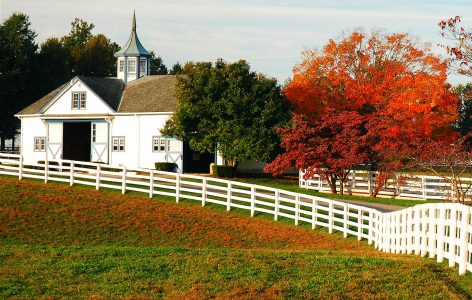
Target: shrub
{"x":166,"y":166}
{"x":224,"y":171}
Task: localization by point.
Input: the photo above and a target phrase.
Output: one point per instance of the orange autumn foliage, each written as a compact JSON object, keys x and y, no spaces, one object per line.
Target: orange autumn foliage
{"x":389,"y":75}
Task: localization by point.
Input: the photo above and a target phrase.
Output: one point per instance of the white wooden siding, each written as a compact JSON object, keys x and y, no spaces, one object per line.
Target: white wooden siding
{"x":63,"y":105}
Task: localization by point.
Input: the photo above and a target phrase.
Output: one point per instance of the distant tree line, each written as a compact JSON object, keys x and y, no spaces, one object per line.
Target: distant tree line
{"x":28,"y":71}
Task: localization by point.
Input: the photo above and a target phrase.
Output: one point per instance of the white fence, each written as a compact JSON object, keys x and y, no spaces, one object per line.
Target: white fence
{"x":441,"y":230}
{"x":418,"y":187}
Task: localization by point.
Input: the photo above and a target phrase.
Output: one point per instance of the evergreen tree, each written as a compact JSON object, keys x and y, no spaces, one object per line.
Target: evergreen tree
{"x":17,"y":57}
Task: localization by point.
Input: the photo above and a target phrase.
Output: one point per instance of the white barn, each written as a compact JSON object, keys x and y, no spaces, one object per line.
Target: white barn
{"x":111,"y":120}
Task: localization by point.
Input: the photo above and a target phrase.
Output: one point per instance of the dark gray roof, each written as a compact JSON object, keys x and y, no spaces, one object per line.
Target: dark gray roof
{"x":36,"y":106}
{"x":133,"y":46}
{"x":108,"y":89}
{"x":154,"y":93}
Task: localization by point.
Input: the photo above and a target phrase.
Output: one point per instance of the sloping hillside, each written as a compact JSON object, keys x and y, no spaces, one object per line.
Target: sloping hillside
{"x":58,"y":241}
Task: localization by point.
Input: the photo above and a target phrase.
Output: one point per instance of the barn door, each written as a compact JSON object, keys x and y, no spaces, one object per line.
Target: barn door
{"x":54,"y":145}
{"x":174,"y":152}
{"x":99,"y":151}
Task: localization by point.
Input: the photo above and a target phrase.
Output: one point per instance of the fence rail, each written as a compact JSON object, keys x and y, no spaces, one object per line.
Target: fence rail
{"x":441,"y":230}
{"x":418,"y":187}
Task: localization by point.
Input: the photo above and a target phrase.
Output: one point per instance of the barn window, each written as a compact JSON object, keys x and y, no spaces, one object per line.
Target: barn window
{"x":163,"y":144}
{"x":78,"y":100}
{"x":121,"y":65}
{"x":158,"y":144}
{"x":118,"y":143}
{"x":39,"y":144}
{"x":94,"y":132}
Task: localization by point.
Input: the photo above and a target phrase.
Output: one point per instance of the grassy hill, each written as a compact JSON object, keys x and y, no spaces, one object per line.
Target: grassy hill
{"x":62,"y":242}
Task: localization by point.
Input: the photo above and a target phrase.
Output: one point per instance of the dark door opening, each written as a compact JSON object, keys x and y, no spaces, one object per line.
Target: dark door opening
{"x":196,"y":162}
{"x":76,"y":141}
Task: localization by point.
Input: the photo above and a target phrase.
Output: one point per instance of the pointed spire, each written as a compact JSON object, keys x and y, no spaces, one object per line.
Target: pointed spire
{"x":134,"y":20}
{"x":133,"y":46}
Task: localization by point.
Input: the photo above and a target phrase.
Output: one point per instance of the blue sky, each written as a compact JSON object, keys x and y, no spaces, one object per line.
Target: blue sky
{"x":269,"y":34}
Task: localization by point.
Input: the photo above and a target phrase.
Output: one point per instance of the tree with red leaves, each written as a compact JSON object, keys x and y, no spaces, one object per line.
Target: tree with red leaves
{"x":460,"y":50}
{"x":395,"y":85}
{"x":330,"y":147}
{"x":450,"y":161}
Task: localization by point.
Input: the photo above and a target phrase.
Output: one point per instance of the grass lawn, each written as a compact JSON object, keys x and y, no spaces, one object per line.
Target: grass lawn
{"x":63,"y":242}
{"x":291,"y":184}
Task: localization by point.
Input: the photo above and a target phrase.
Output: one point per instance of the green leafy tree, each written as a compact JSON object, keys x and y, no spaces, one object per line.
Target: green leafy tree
{"x":54,"y":66}
{"x":230,"y":106}
{"x":465,"y":123}
{"x":17,"y":58}
{"x":79,"y":35}
{"x":176,"y":69}
{"x":157,"y":65}
{"x":90,"y":55}
{"x":97,"y":58}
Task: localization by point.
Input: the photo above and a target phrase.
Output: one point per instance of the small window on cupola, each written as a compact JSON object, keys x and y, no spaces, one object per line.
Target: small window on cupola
{"x":142,"y":66}
{"x":131,"y":66}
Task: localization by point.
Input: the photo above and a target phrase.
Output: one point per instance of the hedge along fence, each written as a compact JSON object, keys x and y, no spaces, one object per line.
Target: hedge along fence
{"x":442,"y":230}
{"x":418,"y":187}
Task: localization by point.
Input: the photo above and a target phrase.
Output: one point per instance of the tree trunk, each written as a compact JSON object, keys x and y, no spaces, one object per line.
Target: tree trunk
{"x":332,"y":183}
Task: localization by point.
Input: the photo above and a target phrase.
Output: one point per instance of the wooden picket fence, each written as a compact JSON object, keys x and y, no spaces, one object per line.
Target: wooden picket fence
{"x":441,"y":230}
{"x":417,"y":187}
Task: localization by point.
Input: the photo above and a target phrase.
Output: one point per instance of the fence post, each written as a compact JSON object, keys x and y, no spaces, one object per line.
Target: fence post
{"x":71,"y":179}
{"x":177,"y":187}
{"x":423,"y":186}
{"x":123,"y":181}
{"x":314,"y":212}
{"x":382,"y":225}
{"x":276,"y":208}
{"x":346,"y":219}
{"x":432,"y":232}
{"x":20,"y":168}
{"x":369,"y":183}
{"x":371,"y":227}
{"x":398,"y":232}
{"x":204,"y":191}
{"x":464,"y":240}
{"x":330,"y":217}
{"x":228,"y":204}
{"x":253,"y":200}
{"x":388,"y":225}
{"x":417,"y":232}
{"x":359,"y":224}
{"x":353,"y":181}
{"x":409,"y":231}
{"x":404,"y":224}
{"x":424,"y":233}
{"x":97,"y":180}
{"x":151,"y":183}
{"x":452,"y":235}
{"x":297,"y":209}
{"x":46,"y":171}
{"x":441,"y":232}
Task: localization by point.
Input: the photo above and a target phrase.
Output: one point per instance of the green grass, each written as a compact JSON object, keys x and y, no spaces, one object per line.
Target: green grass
{"x":58,"y":241}
{"x":113,"y":272}
{"x":291,"y":184}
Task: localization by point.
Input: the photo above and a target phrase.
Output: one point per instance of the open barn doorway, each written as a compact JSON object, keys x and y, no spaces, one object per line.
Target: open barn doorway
{"x":76,"y":141}
{"x":195,"y":162}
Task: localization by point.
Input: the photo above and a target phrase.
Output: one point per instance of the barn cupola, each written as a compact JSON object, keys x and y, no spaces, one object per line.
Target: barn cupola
{"x":133,"y":60}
